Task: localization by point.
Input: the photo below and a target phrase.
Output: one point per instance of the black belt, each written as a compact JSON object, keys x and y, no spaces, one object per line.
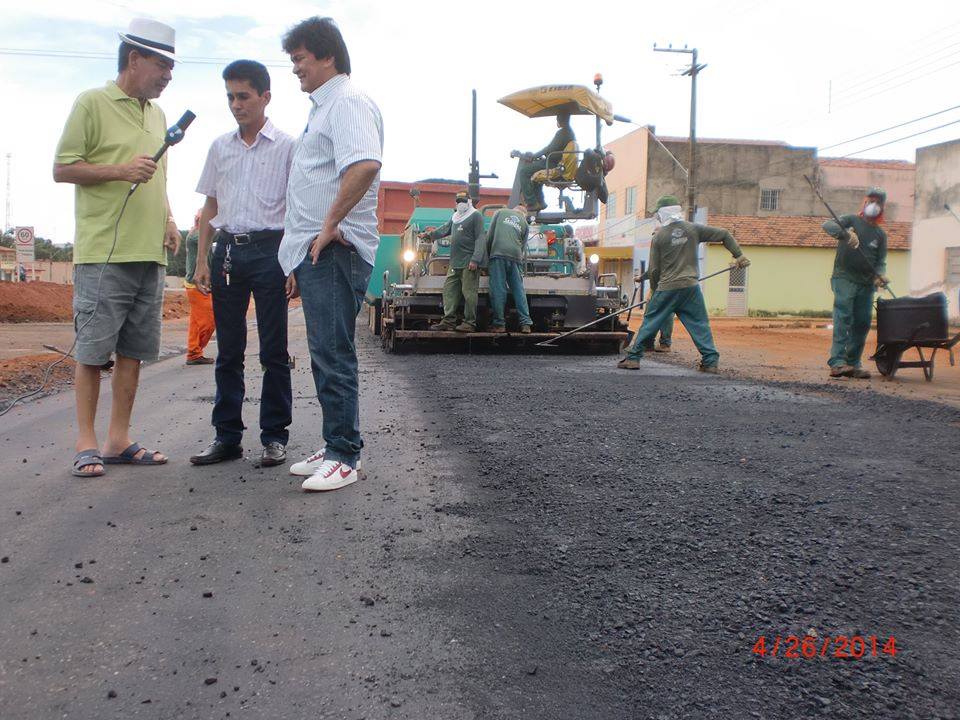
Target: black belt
{"x":250,"y":237}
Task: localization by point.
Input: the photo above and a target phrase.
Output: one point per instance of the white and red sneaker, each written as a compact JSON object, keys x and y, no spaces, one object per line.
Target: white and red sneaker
{"x":331,"y":475}
{"x":306,"y":468}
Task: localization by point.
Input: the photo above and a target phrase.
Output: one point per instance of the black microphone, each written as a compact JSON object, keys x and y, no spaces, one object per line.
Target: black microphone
{"x":173,"y":136}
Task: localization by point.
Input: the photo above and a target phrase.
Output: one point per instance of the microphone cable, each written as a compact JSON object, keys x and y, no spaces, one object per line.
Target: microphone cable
{"x":173,"y":135}
{"x":96,"y":306}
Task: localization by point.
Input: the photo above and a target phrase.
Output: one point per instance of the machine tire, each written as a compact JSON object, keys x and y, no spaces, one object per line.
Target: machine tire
{"x":388,"y":339}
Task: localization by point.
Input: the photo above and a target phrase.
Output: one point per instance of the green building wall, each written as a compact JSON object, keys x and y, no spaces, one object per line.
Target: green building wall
{"x":789,"y":279}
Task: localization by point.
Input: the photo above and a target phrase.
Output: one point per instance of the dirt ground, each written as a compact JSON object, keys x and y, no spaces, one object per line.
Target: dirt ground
{"x":796,"y":351}
{"x":40,"y":316}
{"x":38,"y":302}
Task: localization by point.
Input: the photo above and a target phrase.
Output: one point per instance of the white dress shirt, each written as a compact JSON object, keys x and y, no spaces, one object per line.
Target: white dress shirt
{"x":249,"y":182}
{"x":344,"y":128}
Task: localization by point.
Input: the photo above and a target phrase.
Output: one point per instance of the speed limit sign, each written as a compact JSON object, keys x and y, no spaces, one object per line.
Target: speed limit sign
{"x":24,"y":243}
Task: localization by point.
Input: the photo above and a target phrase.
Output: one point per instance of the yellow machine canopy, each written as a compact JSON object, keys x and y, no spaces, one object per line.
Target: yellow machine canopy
{"x":550,"y":100}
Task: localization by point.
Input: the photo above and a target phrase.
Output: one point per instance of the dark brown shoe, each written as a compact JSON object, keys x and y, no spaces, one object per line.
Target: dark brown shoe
{"x":200,"y":361}
{"x":497,"y":329}
{"x":465,"y":327}
{"x":273,"y":454}
{"x":526,"y":329}
{"x":860,"y":374}
{"x":442,"y":326}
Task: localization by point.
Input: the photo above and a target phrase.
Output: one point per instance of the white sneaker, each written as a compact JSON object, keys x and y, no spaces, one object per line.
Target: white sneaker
{"x":331,"y":475}
{"x":306,"y":468}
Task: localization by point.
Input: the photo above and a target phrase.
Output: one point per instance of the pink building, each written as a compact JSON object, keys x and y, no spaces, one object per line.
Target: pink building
{"x":897,"y":177}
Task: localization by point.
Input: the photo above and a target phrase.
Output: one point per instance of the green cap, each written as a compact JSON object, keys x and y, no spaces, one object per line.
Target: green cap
{"x":877,"y":192}
{"x":666,"y":201}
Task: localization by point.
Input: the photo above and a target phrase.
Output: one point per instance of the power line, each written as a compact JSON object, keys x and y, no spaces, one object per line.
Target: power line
{"x":874,"y":79}
{"x":892,"y":127}
{"x":906,"y":137}
{"x":81,"y":55}
{"x":884,"y":85}
{"x":920,"y":43}
{"x":905,"y":82}
{"x":793,"y":121}
{"x":713,"y":149}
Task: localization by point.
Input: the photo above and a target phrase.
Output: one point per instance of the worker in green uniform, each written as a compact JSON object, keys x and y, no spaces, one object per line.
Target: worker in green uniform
{"x":504,"y":243}
{"x":543,"y":159}
{"x":666,"y":330}
{"x":858,"y":268}
{"x":465,"y":228}
{"x":674,"y":271}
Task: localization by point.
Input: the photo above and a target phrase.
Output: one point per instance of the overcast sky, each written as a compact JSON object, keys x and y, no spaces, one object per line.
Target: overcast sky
{"x":769,"y":75}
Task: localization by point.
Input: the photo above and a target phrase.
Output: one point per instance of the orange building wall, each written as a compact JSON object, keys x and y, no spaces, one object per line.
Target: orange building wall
{"x":630,"y":170}
{"x":395,"y":205}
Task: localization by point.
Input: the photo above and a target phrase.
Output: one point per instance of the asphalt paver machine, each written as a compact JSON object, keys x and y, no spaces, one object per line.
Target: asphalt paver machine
{"x":561,"y":281}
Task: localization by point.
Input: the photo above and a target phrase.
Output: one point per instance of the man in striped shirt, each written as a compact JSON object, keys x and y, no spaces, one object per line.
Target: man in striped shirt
{"x":330,"y":236}
{"x":245,"y":182}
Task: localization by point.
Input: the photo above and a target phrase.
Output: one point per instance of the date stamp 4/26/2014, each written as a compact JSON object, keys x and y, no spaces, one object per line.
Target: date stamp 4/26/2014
{"x":795,"y":647}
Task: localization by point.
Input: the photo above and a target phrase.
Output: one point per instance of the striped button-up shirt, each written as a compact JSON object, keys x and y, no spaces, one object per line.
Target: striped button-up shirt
{"x":344,"y":128}
{"x":249,"y":182}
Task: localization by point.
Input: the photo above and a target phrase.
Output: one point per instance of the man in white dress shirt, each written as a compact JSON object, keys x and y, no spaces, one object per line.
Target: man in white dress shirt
{"x":330,"y":236}
{"x":245,"y":182}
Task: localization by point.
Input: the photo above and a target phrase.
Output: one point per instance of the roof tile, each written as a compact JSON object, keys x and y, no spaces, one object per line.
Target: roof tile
{"x":797,"y":231}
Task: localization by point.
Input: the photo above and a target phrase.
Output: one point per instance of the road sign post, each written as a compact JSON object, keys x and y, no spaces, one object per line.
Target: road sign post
{"x":24,"y":242}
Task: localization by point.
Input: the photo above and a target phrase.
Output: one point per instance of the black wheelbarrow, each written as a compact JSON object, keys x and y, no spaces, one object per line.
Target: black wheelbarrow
{"x":907,"y":322}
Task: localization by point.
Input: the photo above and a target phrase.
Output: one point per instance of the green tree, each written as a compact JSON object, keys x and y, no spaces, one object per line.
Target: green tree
{"x":44,"y":249}
{"x":177,"y":264}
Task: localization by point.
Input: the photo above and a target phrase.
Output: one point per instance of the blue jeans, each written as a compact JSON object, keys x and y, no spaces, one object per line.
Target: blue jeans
{"x":852,"y":312}
{"x":687,"y":304}
{"x":332,"y":292}
{"x":666,"y":335}
{"x":504,"y":273}
{"x":254,"y":269}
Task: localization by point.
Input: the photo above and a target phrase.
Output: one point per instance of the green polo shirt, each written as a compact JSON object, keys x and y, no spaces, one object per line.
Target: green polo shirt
{"x":108,"y":127}
{"x":507,"y":235}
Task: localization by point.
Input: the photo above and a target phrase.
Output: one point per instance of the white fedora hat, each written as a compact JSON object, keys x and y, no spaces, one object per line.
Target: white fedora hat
{"x":150,"y":35}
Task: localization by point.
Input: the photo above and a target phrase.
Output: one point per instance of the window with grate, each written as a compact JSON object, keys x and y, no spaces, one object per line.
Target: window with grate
{"x":769,"y":199}
{"x":612,"y":205}
{"x":630,"y":201}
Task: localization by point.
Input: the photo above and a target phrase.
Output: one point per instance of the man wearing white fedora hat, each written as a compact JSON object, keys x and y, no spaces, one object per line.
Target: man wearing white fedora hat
{"x":119,"y":254}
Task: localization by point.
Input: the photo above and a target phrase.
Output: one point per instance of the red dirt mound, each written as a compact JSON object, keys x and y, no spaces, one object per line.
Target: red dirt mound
{"x":51,"y":302}
{"x":35,"y":302}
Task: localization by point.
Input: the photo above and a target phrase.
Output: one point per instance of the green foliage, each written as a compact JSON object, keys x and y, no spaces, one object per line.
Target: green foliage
{"x":44,"y":249}
{"x":177,"y":264}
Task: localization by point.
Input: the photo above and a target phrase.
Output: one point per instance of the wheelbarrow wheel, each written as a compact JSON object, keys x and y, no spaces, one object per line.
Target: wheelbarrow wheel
{"x":888,"y":359}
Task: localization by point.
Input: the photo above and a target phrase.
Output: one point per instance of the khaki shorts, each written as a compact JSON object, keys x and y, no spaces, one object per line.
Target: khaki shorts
{"x":126,"y":321}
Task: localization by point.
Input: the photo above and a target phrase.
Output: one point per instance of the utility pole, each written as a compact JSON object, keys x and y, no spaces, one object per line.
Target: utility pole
{"x":692,"y":71}
{"x":474,"y":177}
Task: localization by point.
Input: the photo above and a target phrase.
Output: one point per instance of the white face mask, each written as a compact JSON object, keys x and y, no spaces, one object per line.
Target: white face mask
{"x":461,"y":206}
{"x":872,"y":210}
{"x":669,"y":214}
